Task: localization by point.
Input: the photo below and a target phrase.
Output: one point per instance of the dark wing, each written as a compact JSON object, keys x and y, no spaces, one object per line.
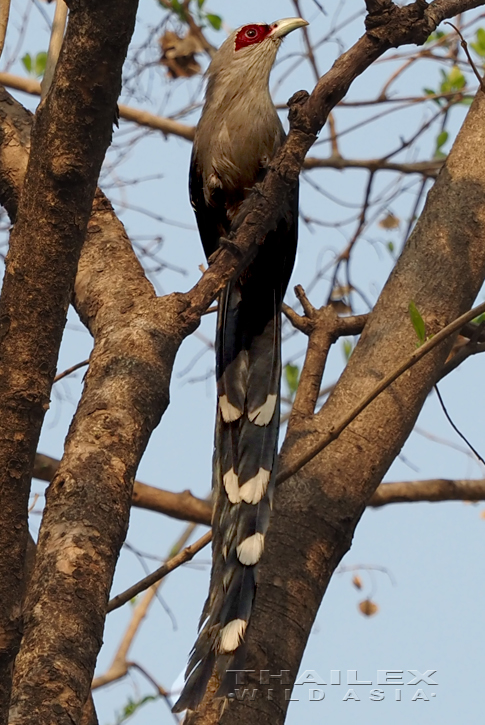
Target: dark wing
{"x":211,"y":218}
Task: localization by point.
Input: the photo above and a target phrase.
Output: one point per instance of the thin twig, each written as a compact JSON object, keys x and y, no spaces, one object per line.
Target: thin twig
{"x":455,"y":427}
{"x":55,"y":43}
{"x":186,"y":555}
{"x":161,"y":690}
{"x":464,"y":45}
{"x":71,"y":370}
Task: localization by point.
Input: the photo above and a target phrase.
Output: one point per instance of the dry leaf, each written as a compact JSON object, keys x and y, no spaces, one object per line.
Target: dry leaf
{"x":357,"y":581}
{"x":390,"y":221}
{"x":178,"y":54}
{"x":368,"y":607}
{"x":338,"y":301}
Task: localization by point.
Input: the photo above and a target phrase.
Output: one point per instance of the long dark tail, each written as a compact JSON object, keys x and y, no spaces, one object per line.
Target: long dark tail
{"x":248,"y":380}
{"x":248,"y":372}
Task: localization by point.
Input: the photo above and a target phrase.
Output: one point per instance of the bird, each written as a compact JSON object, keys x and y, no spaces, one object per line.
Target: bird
{"x":238,"y":134}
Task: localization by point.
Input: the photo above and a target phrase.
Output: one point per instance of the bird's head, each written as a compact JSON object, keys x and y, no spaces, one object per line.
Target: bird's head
{"x":252,"y":48}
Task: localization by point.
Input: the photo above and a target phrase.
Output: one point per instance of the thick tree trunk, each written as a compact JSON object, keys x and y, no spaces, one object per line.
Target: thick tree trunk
{"x":72,"y":132}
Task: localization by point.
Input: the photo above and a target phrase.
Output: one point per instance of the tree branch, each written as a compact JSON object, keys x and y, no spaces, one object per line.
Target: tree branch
{"x":170,"y":127}
{"x":186,"y":555}
{"x":4,"y":13}
{"x":143,"y":118}
{"x":120,"y":664}
{"x":440,"y":489}
{"x":428,"y":169}
{"x":323,"y":327}
{"x":183,"y":506}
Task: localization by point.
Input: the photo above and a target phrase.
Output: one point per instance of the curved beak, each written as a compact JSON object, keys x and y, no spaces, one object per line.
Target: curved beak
{"x":282,"y":27}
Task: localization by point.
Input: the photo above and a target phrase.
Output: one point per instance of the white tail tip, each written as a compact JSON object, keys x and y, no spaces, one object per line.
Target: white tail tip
{"x":232,"y":635}
{"x":250,"y":550}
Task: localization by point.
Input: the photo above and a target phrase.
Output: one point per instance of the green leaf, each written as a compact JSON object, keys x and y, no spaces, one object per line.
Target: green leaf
{"x":40,"y":63}
{"x":478,"y":320}
{"x":347,"y":348}
{"x":437,"y":35}
{"x":479,"y":45}
{"x":456,"y":78}
{"x":35,"y":66}
{"x":214,"y":20}
{"x":27,"y":62}
{"x":418,"y":322}
{"x":292,"y":377}
{"x":178,"y":8}
{"x":441,"y":139}
{"x":131,"y":707}
{"x":390,"y":246}
{"x":452,"y":81}
{"x":433,"y":92}
{"x":200,"y":3}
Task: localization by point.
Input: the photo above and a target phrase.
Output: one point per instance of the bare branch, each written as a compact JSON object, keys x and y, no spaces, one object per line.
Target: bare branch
{"x":183,"y":505}
{"x":186,"y":555}
{"x":429,"y":169}
{"x":440,"y":489}
{"x":143,"y":118}
{"x":55,"y":43}
{"x":71,"y":370}
{"x":323,"y":327}
{"x":120,"y":664}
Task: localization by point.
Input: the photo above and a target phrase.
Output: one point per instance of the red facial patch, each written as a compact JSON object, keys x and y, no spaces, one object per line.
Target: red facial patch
{"x":251,"y":35}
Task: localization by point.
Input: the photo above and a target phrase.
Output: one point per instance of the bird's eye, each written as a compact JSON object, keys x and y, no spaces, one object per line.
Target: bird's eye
{"x":250,"y":35}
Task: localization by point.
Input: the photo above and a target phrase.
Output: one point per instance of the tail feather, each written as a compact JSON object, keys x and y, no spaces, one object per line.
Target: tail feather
{"x":248,"y":372}
{"x":196,"y":684}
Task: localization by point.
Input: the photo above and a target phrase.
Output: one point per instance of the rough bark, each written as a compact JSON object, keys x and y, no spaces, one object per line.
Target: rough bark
{"x":69,"y":140}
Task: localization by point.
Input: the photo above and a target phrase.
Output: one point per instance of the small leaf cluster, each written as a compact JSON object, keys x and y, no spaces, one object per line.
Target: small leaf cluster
{"x":292,"y":378}
{"x":203,"y":18}
{"x":478,"y":44}
{"x":452,"y":81}
{"x":35,"y":65}
{"x":347,"y":349}
{"x":131,"y":708}
{"x":418,"y":323}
